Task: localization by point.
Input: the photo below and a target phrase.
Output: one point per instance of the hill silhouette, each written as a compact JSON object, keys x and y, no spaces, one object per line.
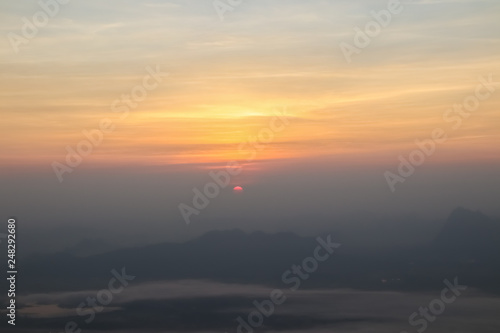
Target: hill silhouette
{"x":467,"y":246}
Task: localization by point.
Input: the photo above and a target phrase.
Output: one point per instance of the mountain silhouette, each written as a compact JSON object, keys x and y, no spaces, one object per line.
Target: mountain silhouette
{"x":468,"y":246}
{"x":469,"y":235}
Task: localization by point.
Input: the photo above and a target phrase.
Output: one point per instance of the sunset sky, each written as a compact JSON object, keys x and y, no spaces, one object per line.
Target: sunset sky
{"x":226,"y":81}
{"x":305,"y":166}
{"x":227,"y":78}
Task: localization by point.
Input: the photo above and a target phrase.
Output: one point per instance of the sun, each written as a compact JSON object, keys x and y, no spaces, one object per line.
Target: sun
{"x":238,"y":189}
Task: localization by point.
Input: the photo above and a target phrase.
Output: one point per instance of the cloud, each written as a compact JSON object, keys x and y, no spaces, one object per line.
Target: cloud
{"x":216,"y":305}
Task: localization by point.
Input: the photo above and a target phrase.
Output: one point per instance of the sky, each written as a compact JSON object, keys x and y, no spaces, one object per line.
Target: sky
{"x":219,"y":88}
{"x":203,"y":154}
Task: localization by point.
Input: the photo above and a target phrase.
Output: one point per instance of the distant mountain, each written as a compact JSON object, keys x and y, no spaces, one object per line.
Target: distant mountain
{"x":218,"y":255}
{"x":88,"y":247}
{"x":469,"y":235}
{"x":466,"y":246}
